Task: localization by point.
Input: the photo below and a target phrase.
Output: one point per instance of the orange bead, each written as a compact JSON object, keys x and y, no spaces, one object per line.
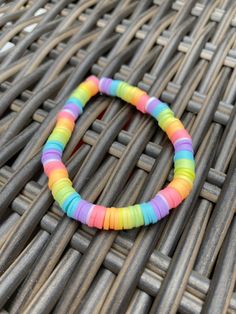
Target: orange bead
{"x":112,"y":217}
{"x":137,"y":95}
{"x":106,"y":224}
{"x":57,"y":175}
{"x":182,"y":186}
{"x":65,"y":123}
{"x":92,"y":87}
{"x":173,"y":127}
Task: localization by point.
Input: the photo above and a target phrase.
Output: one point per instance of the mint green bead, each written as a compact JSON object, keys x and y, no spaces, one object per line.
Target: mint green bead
{"x":185,"y":173}
{"x":163,"y":116}
{"x":62,"y":138}
{"x":184,"y":163}
{"x":62,"y":194}
{"x":82,"y":95}
{"x":138,"y":216}
{"x":120,"y":90}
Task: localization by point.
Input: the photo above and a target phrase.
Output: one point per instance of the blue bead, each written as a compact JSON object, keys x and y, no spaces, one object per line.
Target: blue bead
{"x":69,"y":205}
{"x":71,"y":209}
{"x":158,"y":109}
{"x":53,"y":145}
{"x":77,"y":102}
{"x":183,"y":154}
{"x":113,"y":87}
{"x":148,"y":213}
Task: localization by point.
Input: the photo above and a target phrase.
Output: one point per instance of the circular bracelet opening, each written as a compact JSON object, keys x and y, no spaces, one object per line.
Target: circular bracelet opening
{"x":128,"y":217}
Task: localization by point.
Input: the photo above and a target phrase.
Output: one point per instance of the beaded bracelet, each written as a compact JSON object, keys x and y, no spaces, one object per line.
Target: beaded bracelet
{"x":110,"y":217}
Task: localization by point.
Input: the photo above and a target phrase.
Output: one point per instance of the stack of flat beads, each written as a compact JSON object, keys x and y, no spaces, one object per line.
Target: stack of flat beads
{"x":110,"y":217}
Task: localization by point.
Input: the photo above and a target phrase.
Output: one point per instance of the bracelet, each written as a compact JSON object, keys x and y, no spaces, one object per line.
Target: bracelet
{"x":110,"y":217}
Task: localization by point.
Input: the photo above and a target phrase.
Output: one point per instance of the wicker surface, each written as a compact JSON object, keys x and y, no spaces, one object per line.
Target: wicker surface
{"x":181,"y":51}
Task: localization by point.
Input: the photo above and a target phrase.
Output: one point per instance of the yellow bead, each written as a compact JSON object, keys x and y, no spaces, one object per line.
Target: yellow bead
{"x":184,"y":163}
{"x":126,"y":218}
{"x":165,"y":119}
{"x":56,"y":175}
{"x":174,"y":125}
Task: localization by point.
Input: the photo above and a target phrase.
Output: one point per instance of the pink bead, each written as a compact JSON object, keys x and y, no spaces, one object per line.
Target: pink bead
{"x":97,"y":216}
{"x":53,"y":165}
{"x":141,"y":105}
{"x":180,"y":134}
{"x":172,"y":196}
{"x":65,"y":115}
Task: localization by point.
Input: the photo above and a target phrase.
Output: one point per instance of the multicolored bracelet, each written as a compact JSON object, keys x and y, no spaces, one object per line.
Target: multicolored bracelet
{"x":110,"y":217}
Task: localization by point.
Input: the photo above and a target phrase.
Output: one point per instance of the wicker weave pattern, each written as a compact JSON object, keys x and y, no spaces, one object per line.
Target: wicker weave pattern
{"x":183,"y":52}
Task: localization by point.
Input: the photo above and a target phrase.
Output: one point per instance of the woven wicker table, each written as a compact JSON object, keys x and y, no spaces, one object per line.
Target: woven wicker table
{"x":183,"y":52}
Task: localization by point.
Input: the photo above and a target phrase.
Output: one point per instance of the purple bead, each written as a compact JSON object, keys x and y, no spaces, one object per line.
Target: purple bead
{"x":108,"y":84}
{"x":76,"y":110}
{"x":156,"y":209}
{"x":152,"y":103}
{"x":104,"y":85}
{"x":82,"y":211}
{"x":89,"y":213}
{"x":78,"y":209}
{"x":50,"y":155}
{"x":160,"y":206}
{"x":183,"y":144}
